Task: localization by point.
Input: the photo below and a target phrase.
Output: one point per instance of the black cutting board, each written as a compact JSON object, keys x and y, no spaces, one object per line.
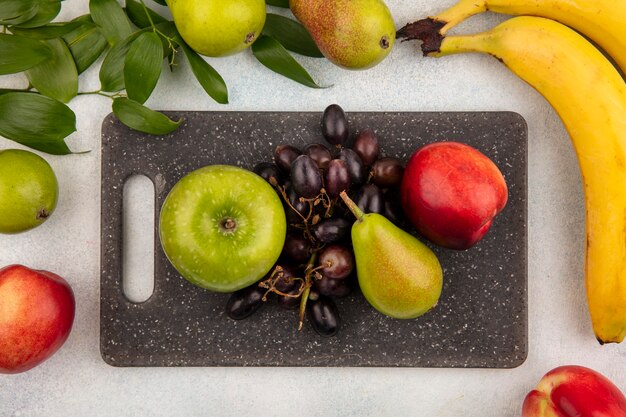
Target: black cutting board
{"x":481,"y":319}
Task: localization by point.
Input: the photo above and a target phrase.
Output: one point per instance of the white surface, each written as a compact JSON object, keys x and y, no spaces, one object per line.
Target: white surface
{"x":76,"y":382}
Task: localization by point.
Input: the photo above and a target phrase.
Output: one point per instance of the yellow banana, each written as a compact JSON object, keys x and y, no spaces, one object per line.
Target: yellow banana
{"x":603,"y":21}
{"x":590,"y":97}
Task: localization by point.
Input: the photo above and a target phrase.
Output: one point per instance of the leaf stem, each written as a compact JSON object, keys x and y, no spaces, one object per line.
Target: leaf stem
{"x":169,"y":40}
{"x":145,"y":9}
{"x":100,"y":93}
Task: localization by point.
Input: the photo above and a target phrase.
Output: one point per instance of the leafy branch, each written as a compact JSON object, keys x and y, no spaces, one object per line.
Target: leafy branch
{"x":134,"y":41}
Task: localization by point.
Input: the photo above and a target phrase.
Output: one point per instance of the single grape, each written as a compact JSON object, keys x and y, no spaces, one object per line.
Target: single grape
{"x":331,"y":230}
{"x":366,"y":146}
{"x":336,"y":177}
{"x":285,"y":281}
{"x":297,"y":248}
{"x":267,"y":170}
{"x":323,"y":315}
{"x":387,"y":172}
{"x":289,"y":303}
{"x":301,"y":207}
{"x":335,"y":288}
{"x":371,"y":199}
{"x":285,"y":155}
{"x":305,"y":177}
{"x":355,"y":165}
{"x":393,"y":207}
{"x":245,"y":302}
{"x":335,"y":125}
{"x":336,"y":261}
{"x":319,"y":153}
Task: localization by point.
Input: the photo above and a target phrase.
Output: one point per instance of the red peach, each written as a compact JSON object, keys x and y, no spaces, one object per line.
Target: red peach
{"x":574,"y":391}
{"x":451,"y":193}
{"x":36,"y":316}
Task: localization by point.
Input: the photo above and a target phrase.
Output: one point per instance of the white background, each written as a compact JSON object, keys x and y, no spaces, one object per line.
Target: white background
{"x":76,"y":382}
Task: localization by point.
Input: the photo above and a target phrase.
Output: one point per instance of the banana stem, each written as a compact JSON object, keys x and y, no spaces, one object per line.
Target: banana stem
{"x":431,"y":31}
{"x":451,"y":45}
{"x":459,"y":12}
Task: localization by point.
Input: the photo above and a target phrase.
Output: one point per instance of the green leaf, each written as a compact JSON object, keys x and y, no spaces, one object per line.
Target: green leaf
{"x":161,"y":2}
{"x":142,"y":66}
{"x":278,"y":3}
{"x":50,"y":31}
{"x":57,"y":76}
{"x":137,"y":14}
{"x":291,"y":34}
{"x":86,"y":44}
{"x":143,"y":119}
{"x":209,"y":79}
{"x":83,"y":18}
{"x":36,"y":121}
{"x":14,"y":12}
{"x":47,"y":11}
{"x":18,"y":54}
{"x":110,"y":17}
{"x":275,"y":57}
{"x":12,"y":90}
{"x":112,"y":70}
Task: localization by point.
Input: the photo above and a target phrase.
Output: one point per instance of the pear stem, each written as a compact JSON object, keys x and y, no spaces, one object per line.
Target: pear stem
{"x":352,"y":206}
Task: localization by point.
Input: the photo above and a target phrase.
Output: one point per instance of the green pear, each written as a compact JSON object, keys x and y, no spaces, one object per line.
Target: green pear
{"x":354,"y":34}
{"x":398,"y":275}
{"x":28,"y":190}
{"x":218,"y":27}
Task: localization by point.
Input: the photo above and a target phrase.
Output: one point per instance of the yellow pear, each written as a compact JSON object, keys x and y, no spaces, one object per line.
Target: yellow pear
{"x":354,"y":34}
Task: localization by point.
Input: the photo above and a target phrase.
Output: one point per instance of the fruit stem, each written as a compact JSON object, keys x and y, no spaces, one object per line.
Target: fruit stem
{"x":303,"y":300}
{"x":479,"y":42}
{"x":307,"y":289}
{"x":426,"y":30}
{"x":352,"y":206}
{"x":460,"y":12}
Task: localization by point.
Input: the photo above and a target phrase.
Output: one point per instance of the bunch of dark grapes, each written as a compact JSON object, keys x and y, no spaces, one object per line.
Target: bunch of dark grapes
{"x":317,"y":262}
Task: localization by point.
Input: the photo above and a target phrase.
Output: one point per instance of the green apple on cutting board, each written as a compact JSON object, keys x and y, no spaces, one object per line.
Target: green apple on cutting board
{"x":222,"y":227}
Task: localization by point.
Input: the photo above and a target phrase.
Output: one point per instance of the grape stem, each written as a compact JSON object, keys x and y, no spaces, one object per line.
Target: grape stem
{"x":352,"y":206}
{"x":270,"y":284}
{"x":308,"y":272}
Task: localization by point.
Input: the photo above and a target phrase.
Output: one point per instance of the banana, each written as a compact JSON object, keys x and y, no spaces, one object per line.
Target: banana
{"x":603,"y":21}
{"x":590,"y":97}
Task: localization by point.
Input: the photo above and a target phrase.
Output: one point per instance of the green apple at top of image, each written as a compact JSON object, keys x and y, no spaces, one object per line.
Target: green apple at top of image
{"x":218,"y":27}
{"x":222,"y":227}
{"x":28,"y":190}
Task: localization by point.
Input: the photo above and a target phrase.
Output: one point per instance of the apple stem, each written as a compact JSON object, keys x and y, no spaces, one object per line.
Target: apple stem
{"x":352,"y":206}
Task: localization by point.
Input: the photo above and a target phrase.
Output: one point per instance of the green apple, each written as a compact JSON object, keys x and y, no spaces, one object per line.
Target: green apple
{"x":218,"y":27}
{"x":28,"y":190}
{"x":222,"y":227}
